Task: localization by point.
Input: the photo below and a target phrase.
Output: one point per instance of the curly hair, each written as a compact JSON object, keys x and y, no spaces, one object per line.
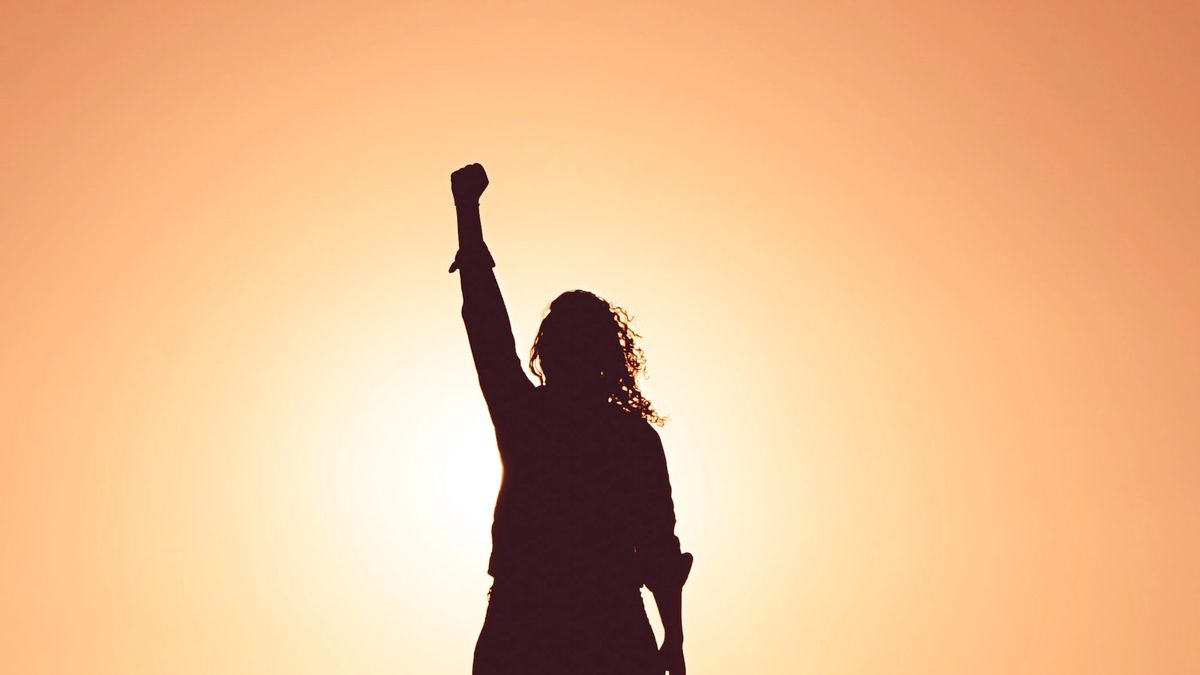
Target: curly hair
{"x":590,"y":337}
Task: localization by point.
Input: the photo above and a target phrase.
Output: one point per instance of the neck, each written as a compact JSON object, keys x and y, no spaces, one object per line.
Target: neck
{"x":576,"y":391}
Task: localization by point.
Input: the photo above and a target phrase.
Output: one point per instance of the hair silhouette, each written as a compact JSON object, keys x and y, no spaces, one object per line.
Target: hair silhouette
{"x":586,"y":342}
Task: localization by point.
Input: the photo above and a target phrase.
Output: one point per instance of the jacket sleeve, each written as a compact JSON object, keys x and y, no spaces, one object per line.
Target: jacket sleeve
{"x":660,"y":560}
{"x":489,"y":333}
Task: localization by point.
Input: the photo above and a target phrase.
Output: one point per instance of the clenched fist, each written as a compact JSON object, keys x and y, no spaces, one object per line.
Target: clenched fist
{"x":468,"y":183}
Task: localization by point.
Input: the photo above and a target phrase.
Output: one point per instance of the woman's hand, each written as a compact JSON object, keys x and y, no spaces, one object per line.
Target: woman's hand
{"x":671,"y":657}
{"x":468,"y":183}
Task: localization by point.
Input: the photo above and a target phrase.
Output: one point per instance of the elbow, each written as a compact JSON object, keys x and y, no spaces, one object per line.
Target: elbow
{"x":666,"y":572}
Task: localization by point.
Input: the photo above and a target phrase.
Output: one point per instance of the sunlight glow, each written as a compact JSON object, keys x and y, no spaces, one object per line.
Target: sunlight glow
{"x":917,"y":281}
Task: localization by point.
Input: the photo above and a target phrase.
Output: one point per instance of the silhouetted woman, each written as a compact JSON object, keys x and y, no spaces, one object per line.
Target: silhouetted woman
{"x":584,"y":516}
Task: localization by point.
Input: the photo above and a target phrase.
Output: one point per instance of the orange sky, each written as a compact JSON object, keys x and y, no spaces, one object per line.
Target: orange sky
{"x":918,"y":290}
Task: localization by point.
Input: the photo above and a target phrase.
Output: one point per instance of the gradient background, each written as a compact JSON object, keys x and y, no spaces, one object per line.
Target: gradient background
{"x":918,"y":288}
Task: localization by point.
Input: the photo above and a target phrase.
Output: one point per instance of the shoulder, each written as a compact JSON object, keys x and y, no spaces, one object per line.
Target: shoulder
{"x":648,"y":431}
{"x":641,"y":435}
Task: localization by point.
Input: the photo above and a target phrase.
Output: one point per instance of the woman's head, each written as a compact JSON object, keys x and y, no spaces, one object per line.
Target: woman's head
{"x":586,"y":344}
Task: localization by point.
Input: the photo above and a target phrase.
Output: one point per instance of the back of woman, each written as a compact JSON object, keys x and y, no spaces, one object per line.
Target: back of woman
{"x":566,"y":596}
{"x":572,"y":497}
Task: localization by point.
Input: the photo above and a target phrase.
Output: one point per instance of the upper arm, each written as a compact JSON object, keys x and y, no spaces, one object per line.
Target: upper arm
{"x":493,"y":349}
{"x":658,"y":505}
{"x":658,"y":546}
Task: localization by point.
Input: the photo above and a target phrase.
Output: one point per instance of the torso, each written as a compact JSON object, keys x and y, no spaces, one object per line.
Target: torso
{"x":561,"y":516}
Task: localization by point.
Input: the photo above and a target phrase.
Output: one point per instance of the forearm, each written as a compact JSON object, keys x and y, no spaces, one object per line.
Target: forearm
{"x":472,"y":251}
{"x":483,"y":306}
{"x":670,"y":609}
{"x":470,"y":229}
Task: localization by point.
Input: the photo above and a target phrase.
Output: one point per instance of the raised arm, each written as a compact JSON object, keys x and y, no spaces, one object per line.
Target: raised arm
{"x":488,"y":329}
